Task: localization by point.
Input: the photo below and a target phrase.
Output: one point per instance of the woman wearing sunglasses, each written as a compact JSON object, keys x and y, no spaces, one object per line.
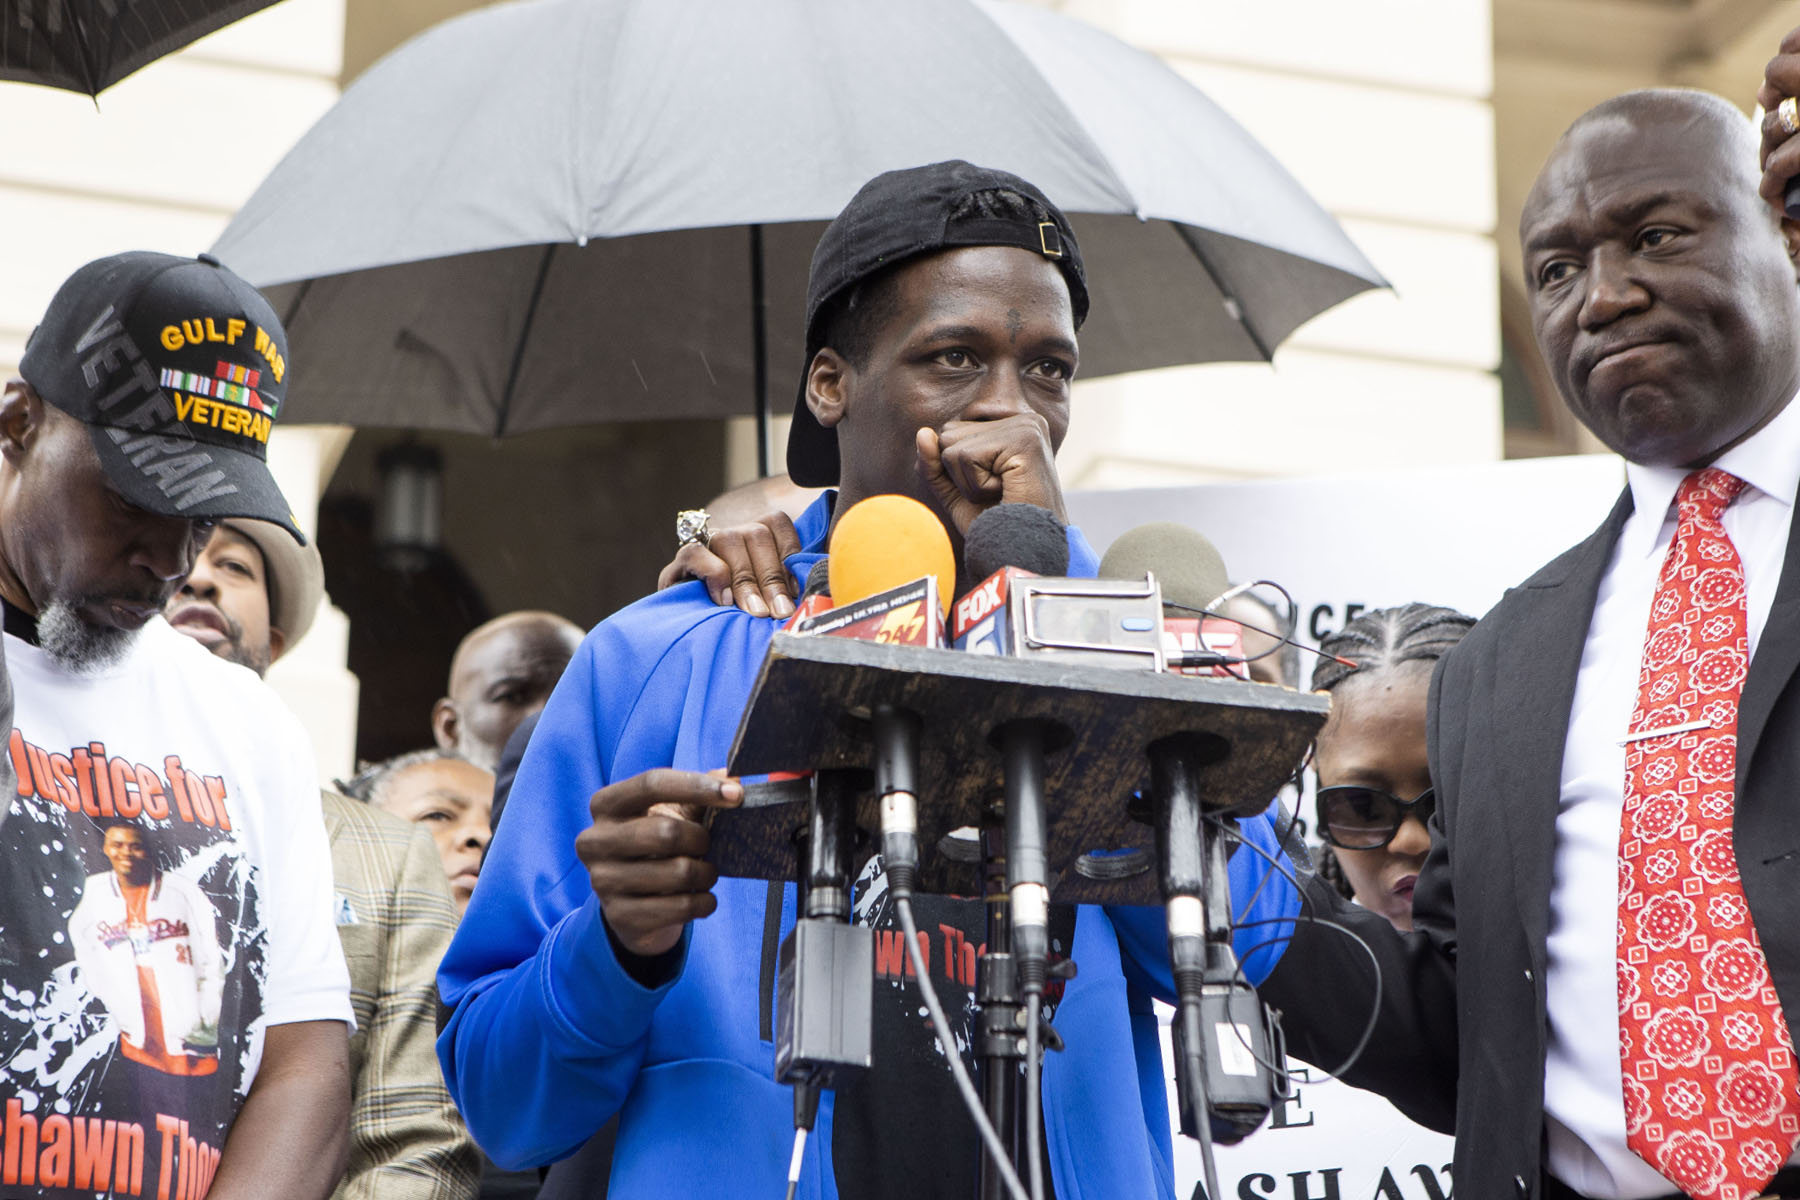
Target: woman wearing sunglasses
{"x":1373,"y":799}
{"x":1374,"y":794}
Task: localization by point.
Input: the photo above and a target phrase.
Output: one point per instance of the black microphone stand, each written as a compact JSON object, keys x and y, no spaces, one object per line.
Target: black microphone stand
{"x":1175,"y":765}
{"x":998,"y":1016}
{"x":1227,"y":1046}
{"x":1013,"y":1034}
{"x":896,"y":760}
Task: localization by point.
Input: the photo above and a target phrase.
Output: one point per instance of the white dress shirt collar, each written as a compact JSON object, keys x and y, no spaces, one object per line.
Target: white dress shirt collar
{"x":1768,"y":460}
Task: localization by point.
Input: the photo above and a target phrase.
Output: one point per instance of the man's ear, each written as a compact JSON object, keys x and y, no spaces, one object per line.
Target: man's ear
{"x":444,"y":724}
{"x":277,"y":643}
{"x":1790,"y":233}
{"x":21,"y":416}
{"x":828,"y":386}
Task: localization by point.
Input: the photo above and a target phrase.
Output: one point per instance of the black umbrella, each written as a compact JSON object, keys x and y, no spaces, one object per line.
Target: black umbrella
{"x":89,"y":45}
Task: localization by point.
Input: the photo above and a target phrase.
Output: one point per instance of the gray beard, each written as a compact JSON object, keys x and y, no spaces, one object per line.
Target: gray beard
{"x":78,"y":647}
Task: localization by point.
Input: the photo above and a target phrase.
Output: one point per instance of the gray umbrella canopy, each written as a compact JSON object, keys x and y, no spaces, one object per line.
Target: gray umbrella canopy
{"x":544,"y":213}
{"x":89,"y":45}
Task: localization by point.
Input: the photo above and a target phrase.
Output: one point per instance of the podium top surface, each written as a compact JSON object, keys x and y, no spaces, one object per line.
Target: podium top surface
{"x":810,"y":710}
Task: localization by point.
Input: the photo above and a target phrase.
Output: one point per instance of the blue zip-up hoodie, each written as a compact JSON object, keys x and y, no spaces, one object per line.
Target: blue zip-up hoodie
{"x":549,"y":1036}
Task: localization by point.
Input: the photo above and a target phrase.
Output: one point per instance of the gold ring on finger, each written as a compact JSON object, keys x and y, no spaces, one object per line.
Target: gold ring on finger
{"x":1787,"y":114}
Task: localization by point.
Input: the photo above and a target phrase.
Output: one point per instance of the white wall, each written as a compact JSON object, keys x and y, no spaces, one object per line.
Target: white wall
{"x":1382,"y":110}
{"x":161,"y":163}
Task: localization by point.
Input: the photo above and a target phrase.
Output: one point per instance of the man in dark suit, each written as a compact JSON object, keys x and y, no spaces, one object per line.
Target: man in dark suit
{"x":1608,"y":925}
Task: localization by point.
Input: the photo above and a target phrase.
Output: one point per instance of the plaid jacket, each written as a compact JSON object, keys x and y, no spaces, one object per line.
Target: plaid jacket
{"x":395,"y":916}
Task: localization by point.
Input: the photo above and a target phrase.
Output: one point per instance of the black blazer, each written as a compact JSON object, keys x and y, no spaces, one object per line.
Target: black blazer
{"x":1460,"y":1035}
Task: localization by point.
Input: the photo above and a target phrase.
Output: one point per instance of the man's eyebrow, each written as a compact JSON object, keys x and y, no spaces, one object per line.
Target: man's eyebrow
{"x":952,"y":333}
{"x":971,"y":333}
{"x":1636,"y":210}
{"x":1627,"y":213}
{"x":1556,"y":235}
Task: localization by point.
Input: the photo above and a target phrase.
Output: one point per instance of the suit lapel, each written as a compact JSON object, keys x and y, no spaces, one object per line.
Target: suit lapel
{"x":1777,"y":657}
{"x":1535,"y":692}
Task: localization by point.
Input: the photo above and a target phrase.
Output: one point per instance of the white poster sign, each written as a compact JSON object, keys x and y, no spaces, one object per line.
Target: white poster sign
{"x":1330,"y":1142}
{"x":1456,"y":536}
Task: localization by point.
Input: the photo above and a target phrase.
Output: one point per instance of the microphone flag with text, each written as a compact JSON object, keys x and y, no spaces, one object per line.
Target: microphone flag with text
{"x":1193,"y":578}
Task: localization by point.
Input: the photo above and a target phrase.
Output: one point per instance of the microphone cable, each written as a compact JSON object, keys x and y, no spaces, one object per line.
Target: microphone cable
{"x":1285,"y":638}
{"x":1034,"y":1100}
{"x":900,"y":859}
{"x":806,"y":1112}
{"x":940,"y":1025}
{"x":1309,"y":915}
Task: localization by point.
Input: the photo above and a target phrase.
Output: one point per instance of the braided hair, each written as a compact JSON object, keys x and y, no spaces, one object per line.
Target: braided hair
{"x":1377,"y":641}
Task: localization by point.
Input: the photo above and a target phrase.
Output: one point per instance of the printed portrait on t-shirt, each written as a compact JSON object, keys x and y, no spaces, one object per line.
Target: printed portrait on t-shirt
{"x":132,"y":971}
{"x":146,"y":943}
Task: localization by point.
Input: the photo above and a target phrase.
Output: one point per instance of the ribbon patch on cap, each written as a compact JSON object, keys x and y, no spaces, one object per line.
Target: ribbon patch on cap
{"x":229,"y":382}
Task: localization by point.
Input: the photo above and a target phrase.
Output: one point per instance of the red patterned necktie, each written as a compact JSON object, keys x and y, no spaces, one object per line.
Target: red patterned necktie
{"x":1712,"y":1099}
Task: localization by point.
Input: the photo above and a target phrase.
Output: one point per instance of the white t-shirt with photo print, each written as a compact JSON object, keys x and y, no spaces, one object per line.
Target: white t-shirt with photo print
{"x":216,"y":779}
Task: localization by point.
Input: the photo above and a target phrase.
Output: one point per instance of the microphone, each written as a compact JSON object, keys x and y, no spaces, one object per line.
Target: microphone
{"x":1193,"y":578}
{"x":885,"y":542}
{"x":889,"y":576}
{"x":1226,"y":1040}
{"x":1185,"y":562}
{"x":880,"y":549}
{"x":1024,"y":536}
{"x":820,"y":702}
{"x":890,"y":571}
{"x":1006,"y":540}
{"x":1004,"y":543}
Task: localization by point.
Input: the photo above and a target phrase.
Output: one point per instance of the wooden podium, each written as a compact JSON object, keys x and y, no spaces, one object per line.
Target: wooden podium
{"x":810,"y":710}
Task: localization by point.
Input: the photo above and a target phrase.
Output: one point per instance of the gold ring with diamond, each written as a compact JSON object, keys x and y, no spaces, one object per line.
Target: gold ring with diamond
{"x":1787,"y":115}
{"x":690,"y":526}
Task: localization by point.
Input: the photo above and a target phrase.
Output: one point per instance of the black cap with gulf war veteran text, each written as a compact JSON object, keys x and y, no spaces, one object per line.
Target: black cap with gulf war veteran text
{"x":178,"y":368}
{"x":906,"y":214}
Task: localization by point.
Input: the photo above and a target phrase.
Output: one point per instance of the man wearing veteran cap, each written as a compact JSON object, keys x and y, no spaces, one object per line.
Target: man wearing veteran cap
{"x":603,"y":968}
{"x":140,"y":422}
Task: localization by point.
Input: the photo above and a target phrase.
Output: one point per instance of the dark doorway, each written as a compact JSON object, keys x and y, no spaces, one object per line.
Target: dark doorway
{"x":577,"y":521}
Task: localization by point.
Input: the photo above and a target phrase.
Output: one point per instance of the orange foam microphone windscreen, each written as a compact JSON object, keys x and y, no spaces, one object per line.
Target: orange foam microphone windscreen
{"x":886,"y":541}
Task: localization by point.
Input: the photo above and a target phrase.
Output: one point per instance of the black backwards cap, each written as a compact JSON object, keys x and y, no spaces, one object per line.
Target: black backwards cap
{"x":900,"y":215}
{"x":178,"y":368}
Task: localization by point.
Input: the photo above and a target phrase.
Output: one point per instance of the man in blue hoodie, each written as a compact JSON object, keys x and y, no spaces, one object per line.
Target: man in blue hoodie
{"x":603,"y":967}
